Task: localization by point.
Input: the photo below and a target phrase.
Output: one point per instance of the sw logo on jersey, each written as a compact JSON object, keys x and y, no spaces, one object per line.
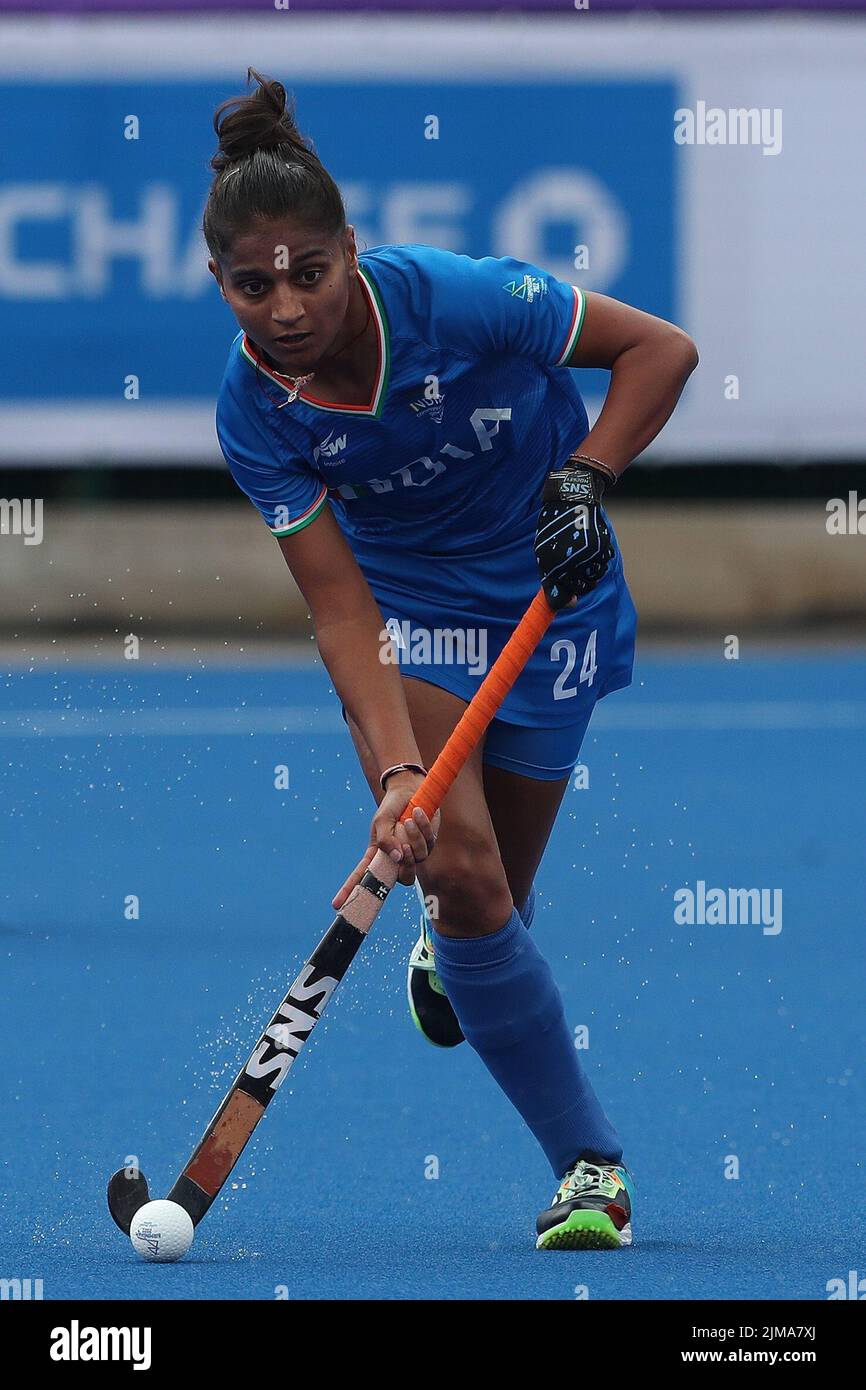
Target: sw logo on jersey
{"x":527,"y":288}
{"x":431,"y":408}
{"x":331,"y":448}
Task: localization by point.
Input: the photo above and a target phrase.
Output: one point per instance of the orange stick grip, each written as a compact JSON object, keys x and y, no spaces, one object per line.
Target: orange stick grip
{"x":485,"y":702}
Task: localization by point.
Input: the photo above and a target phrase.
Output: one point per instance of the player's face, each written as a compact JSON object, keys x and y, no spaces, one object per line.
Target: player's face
{"x":289,"y":290}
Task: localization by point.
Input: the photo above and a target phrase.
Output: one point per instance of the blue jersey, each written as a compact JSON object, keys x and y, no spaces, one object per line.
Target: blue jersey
{"x":436,"y":482}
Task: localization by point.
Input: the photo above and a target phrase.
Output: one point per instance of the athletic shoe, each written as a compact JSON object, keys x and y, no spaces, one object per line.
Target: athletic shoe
{"x":591,"y":1209}
{"x":428,"y":1002}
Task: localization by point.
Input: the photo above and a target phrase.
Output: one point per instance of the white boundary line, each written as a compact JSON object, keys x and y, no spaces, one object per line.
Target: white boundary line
{"x":779,"y":716}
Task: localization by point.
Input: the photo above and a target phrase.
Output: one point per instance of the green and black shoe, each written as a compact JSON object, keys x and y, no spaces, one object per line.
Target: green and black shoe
{"x":591,"y":1209}
{"x":428,"y":1002}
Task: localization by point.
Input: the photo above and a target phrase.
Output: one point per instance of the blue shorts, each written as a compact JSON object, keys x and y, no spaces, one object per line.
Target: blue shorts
{"x":544,"y":754}
{"x":448,"y":617}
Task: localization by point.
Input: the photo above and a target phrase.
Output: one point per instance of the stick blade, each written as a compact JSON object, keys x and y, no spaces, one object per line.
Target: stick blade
{"x":126,"y":1196}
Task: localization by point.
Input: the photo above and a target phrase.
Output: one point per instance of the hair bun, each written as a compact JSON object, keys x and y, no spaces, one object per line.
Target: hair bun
{"x":279,"y":174}
{"x":262,"y":120}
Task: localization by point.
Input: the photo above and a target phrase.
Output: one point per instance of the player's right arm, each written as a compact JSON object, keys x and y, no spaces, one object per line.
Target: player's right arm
{"x":348,"y":625}
{"x":350,"y":635}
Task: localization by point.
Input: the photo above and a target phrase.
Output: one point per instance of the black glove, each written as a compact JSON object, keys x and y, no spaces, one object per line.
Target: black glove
{"x":572,"y":543}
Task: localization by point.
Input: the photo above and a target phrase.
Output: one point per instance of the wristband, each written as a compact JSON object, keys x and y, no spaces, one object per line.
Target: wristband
{"x":400,"y":767}
{"x":606,"y":472}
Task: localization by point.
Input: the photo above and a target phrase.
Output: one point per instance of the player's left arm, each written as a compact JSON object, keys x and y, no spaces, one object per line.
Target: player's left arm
{"x":649,"y":360}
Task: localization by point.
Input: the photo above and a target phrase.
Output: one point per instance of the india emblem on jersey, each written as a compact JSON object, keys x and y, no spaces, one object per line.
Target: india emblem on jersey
{"x":433,"y":407}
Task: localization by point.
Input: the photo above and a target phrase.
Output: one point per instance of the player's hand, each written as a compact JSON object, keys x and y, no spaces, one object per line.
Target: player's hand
{"x":413,"y":839}
{"x":572,"y":542}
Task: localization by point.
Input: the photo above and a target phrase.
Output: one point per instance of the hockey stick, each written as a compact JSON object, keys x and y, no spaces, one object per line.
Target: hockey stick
{"x":275,"y":1052}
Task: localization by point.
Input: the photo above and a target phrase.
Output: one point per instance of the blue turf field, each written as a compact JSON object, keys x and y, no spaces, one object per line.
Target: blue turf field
{"x":119,"y":1037}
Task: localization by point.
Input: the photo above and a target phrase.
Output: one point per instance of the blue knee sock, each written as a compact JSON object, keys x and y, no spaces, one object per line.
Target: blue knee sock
{"x":508,"y":1005}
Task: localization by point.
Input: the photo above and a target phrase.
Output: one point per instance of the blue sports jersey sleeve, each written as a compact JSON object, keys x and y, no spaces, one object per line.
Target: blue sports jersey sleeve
{"x":285,"y":489}
{"x":497,"y":304}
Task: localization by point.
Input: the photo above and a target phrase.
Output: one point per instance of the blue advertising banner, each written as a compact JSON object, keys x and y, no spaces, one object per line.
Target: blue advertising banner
{"x":103,"y":269}
{"x":657,"y":160}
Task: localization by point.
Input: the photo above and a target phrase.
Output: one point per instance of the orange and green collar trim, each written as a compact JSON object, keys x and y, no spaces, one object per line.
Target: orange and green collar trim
{"x":383,"y":370}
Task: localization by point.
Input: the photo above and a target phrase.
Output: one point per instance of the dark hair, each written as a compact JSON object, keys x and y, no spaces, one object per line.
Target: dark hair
{"x":266,"y":169}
